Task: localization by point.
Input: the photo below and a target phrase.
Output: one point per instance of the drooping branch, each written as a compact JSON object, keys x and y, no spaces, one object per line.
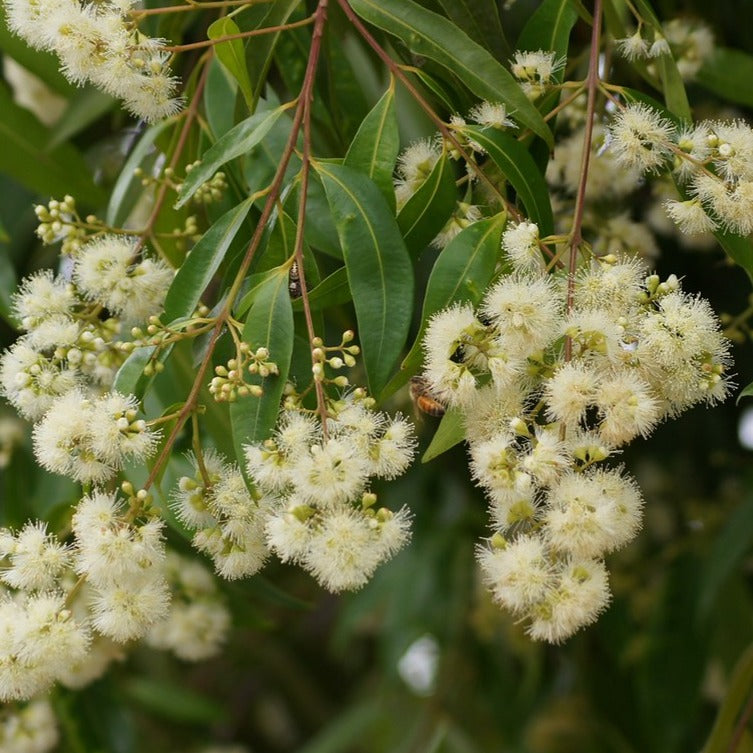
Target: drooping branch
{"x":320,"y":17}
{"x":576,"y":233}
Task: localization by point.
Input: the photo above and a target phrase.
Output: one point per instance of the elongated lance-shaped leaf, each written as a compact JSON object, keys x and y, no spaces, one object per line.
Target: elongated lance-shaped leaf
{"x":461,"y":273}
{"x":260,"y":50}
{"x":378,"y":266}
{"x":728,"y":73}
{"x":237,"y":141}
{"x":128,"y":188}
{"x":427,"y":211}
{"x":376,"y":144}
{"x":479,"y":19}
{"x":451,"y":431}
{"x":202,"y":263}
{"x":232,"y":55}
{"x":26,"y":156}
{"x":518,"y":167}
{"x":437,"y":38}
{"x":269,"y":324}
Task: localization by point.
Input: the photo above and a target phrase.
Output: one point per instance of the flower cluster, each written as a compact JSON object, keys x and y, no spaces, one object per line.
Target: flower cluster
{"x":198,"y":620}
{"x":99,"y":42}
{"x":548,"y":393}
{"x":311,"y":503}
{"x":73,"y":324}
{"x":31,"y":728}
{"x":68,"y":607}
{"x":712,"y":160}
{"x":536,"y":71}
{"x":325,"y":517}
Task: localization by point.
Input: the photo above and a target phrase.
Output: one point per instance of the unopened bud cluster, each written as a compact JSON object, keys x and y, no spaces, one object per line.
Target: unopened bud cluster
{"x":336,"y":357}
{"x":59,"y":221}
{"x":209,"y":191}
{"x":549,"y":395}
{"x":230,"y":381}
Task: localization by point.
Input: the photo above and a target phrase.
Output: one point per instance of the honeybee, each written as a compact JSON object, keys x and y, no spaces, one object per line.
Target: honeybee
{"x":423,"y":400}
{"x":294,"y":281}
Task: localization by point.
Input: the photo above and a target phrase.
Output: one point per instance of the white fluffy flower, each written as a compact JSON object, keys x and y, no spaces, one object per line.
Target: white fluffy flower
{"x":591,"y":514}
{"x":106,"y":272}
{"x":518,"y":574}
{"x":62,"y":441}
{"x":31,"y":382}
{"x":36,"y":559}
{"x":41,"y":296}
{"x":641,"y":138}
{"x":581,"y":594}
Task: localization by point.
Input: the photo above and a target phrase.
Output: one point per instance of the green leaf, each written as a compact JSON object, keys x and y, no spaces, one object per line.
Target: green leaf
{"x":479,"y":19}
{"x":434,"y":37}
{"x":219,"y":99}
{"x":451,"y":431}
{"x":461,"y":273}
{"x":331,"y":291}
{"x":232,"y":55}
{"x":737,"y":695}
{"x":427,"y":211}
{"x":378,"y":267}
{"x":260,"y":50}
{"x":128,"y":189}
{"x":549,"y":28}
{"x":739,"y":248}
{"x":202,"y":263}
{"x":26,"y":157}
{"x":727,"y":74}
{"x":746,"y":392}
{"x":8,"y":284}
{"x":269,"y":324}
{"x":86,"y":106}
{"x":237,"y":141}
{"x":376,"y":144}
{"x":130,"y":378}
{"x":675,"y":95}
{"x":175,"y":702}
{"x":517,"y":165}
{"x":730,"y":548}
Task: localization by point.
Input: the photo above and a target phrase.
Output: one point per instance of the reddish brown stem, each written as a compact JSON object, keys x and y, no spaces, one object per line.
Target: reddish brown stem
{"x":193,"y":6}
{"x":189,"y":406}
{"x":188,"y":118}
{"x":576,"y":234}
{"x":240,"y":35}
{"x":425,"y":106}
{"x":307,"y":96}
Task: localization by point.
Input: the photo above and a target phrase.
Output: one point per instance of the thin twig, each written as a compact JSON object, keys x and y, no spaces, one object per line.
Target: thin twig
{"x":240,"y":35}
{"x":576,"y":234}
{"x":194,"y":6}
{"x":225,"y":313}
{"x":188,"y":119}
{"x":307,"y":99}
{"x":447,"y":134}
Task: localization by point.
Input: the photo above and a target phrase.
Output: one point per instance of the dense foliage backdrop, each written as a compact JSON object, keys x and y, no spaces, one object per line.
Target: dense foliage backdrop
{"x":420,"y":658}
